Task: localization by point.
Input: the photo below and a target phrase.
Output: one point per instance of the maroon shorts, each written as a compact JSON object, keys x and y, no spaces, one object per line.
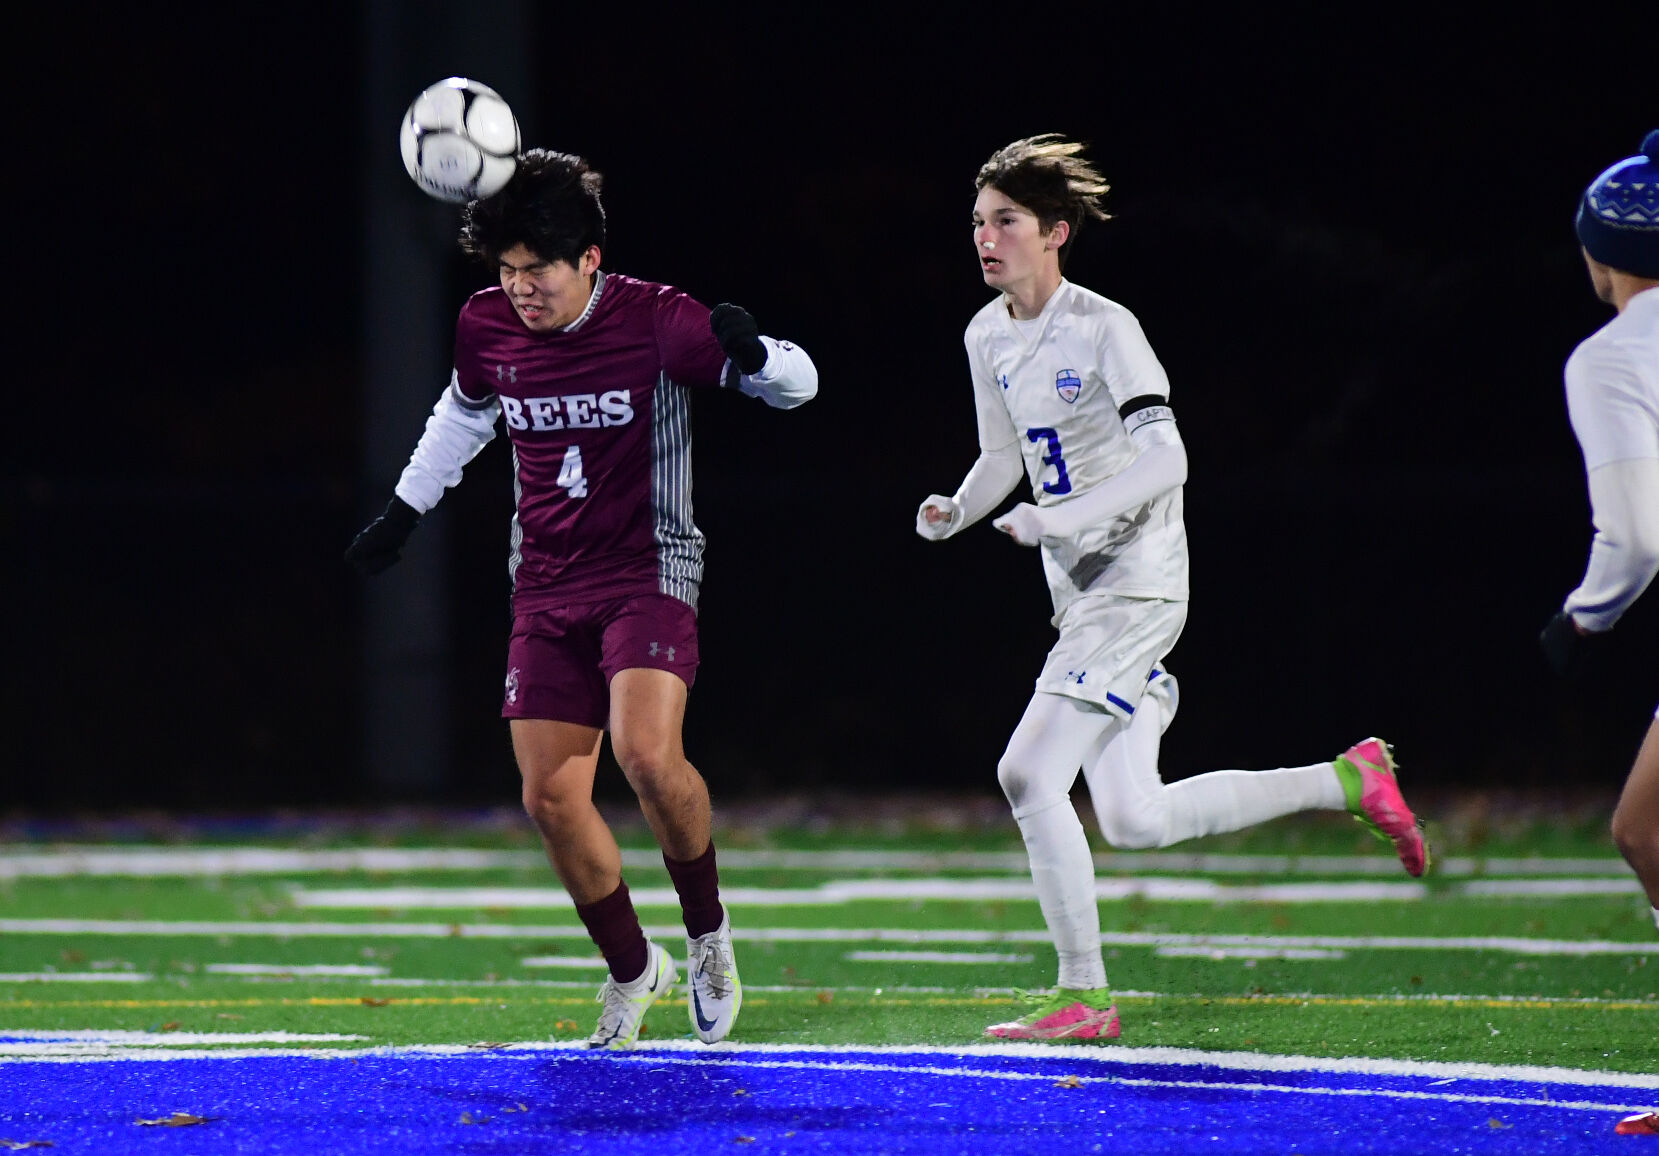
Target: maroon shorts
{"x":560,"y":662}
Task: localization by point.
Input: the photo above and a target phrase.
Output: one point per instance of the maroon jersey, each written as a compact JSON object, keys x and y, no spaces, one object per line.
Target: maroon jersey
{"x":600,"y":423}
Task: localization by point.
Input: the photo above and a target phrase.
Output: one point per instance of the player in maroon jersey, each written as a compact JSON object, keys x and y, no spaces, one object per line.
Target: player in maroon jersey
{"x":591,"y":371}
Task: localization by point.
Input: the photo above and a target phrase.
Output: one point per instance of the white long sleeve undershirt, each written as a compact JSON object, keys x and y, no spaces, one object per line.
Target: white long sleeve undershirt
{"x":454,"y":435}
{"x":1624,"y":555}
{"x":992,"y":478}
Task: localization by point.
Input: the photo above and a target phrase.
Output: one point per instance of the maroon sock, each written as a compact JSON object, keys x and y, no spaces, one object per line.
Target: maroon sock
{"x":698,"y":885}
{"x":614,"y":926}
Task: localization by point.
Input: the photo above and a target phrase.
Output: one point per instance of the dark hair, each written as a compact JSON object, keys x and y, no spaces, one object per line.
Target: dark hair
{"x":551,"y":207}
{"x":1047,"y":175}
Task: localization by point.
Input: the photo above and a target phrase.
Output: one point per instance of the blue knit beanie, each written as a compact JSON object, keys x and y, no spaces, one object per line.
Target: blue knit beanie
{"x":1618,"y":217}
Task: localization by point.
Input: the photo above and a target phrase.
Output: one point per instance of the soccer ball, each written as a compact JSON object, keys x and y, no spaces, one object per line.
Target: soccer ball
{"x":460,"y":141}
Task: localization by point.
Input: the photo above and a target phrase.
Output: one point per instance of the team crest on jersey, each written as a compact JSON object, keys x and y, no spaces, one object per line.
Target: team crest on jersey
{"x":512,"y":686}
{"x":1068,"y":385}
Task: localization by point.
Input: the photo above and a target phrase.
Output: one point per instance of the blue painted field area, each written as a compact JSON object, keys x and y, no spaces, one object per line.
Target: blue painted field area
{"x":667,"y":1100}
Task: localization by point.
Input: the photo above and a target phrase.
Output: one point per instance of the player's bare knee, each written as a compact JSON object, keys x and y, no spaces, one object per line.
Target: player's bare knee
{"x":1637,"y":840}
{"x":551,"y":809}
{"x":657,"y":773}
{"x":642,"y":761}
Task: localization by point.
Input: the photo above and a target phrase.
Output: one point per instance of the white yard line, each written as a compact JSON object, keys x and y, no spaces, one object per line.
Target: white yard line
{"x":96,"y":1044}
{"x":143,"y":861}
{"x":1198,"y":951}
{"x":967,"y":890}
{"x":297,"y":969}
{"x":75,"y":977}
{"x":934,"y":957}
{"x":287,"y":929}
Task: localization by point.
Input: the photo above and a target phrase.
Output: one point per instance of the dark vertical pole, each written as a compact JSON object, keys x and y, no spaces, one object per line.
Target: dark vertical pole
{"x":408,"y":328}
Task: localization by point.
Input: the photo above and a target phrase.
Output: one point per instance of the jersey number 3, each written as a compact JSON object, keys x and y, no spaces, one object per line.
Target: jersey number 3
{"x":570,"y":473}
{"x":1061,"y":483}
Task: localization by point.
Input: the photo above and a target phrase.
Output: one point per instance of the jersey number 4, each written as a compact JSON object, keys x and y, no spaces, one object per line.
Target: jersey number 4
{"x":1061,"y":483}
{"x":570,"y":473}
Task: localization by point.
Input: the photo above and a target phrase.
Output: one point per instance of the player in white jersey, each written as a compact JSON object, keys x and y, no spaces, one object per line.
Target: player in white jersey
{"x":1066,"y":386}
{"x":1613,"y":401}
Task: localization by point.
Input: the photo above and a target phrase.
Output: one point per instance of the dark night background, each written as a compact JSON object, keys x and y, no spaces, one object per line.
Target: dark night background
{"x":1345,"y":229}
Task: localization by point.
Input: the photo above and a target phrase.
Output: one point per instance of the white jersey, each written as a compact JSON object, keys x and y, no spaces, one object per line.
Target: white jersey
{"x":1613,"y":386}
{"x":1054,"y":386}
{"x":1613,"y":400}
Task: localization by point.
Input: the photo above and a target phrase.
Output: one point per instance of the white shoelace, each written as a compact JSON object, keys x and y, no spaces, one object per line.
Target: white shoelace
{"x":712,"y":964}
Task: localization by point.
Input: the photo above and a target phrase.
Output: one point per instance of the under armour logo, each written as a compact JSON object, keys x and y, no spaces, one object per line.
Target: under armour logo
{"x":1076,"y":676}
{"x":507,"y":373}
{"x":1003,"y":379}
{"x":655,"y":648}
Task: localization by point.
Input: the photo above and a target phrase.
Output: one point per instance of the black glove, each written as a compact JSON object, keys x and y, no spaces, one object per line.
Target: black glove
{"x":380,"y":543}
{"x":1570,"y":654}
{"x":739,"y":336}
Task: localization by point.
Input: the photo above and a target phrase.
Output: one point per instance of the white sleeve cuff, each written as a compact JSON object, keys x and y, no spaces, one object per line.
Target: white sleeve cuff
{"x":788,"y":379}
{"x":1624,"y":556}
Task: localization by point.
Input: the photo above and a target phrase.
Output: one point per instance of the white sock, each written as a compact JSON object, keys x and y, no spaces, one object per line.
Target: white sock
{"x":1063,"y":871}
{"x":1137,"y":809}
{"x":1036,"y":773}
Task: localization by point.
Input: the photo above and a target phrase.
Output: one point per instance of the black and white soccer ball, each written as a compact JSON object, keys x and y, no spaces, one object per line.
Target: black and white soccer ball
{"x":460,"y":141}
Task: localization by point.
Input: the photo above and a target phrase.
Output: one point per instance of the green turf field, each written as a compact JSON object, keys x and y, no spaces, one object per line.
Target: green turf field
{"x":1206,"y":944}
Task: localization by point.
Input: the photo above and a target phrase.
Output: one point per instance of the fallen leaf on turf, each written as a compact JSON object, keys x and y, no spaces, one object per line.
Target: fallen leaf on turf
{"x":227,"y":1016}
{"x":489,"y":1045}
{"x":1068,"y":1082}
{"x":515,"y":1108}
{"x":745,"y":1140}
{"x":176,"y":1120}
{"x":1494,"y":1123}
{"x":566,"y":1026}
{"x":15,"y":1144}
{"x":68,"y":955}
{"x":740,"y":1091}
{"x":374,"y":1001}
{"x":469,"y":1118}
{"x":170,"y":1026}
{"x":825,"y":996}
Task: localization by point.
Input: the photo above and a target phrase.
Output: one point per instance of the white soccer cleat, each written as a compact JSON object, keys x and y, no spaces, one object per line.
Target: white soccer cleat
{"x":626,"y":1003}
{"x":716,"y":993}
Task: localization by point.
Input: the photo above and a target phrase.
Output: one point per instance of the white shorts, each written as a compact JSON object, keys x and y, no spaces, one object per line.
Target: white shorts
{"x":1111,"y":650}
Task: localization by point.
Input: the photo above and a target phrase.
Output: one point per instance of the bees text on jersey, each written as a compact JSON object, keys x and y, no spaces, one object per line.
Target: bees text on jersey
{"x":600,"y":424}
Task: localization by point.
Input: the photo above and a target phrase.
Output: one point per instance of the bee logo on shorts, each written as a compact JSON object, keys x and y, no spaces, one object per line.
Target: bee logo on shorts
{"x":1068,"y":385}
{"x":512,"y":686}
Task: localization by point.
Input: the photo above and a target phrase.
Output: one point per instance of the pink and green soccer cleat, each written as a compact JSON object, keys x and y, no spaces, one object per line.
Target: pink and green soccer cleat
{"x":1641,"y":1124}
{"x":1063,"y":1014}
{"x":1367,"y":773}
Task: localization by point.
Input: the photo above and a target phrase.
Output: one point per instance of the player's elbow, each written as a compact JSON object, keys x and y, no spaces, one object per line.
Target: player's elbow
{"x":1178,"y":464}
{"x":798,"y":396}
{"x":1644,"y":544}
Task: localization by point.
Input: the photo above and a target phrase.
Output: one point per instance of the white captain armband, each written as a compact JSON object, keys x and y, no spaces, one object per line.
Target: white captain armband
{"x":1139,"y":412}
